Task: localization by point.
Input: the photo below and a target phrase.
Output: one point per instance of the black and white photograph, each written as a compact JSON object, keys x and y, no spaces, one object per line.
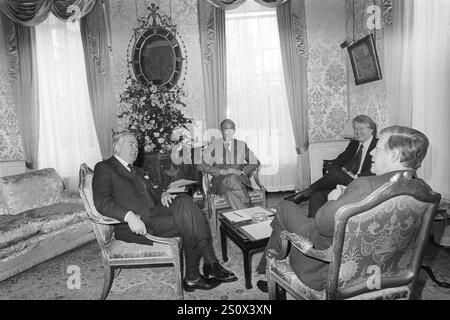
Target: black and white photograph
{"x":216,"y":156}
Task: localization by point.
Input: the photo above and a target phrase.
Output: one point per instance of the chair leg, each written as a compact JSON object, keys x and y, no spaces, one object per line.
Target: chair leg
{"x":272,"y":287}
{"x":214,"y":217}
{"x":178,"y":268}
{"x":108,"y":280}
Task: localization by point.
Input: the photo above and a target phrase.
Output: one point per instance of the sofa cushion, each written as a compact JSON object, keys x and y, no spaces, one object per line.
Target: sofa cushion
{"x":56,"y":216}
{"x":16,"y":228}
{"x":30,"y":190}
{"x":3,"y":209}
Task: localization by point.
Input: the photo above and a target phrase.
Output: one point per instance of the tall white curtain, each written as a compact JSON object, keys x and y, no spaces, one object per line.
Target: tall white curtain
{"x":398,"y":42}
{"x":67,"y":136}
{"x":256,"y":97}
{"x":431,"y":88}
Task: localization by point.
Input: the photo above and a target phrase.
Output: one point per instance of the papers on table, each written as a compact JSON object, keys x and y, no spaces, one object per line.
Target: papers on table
{"x":257,"y":231}
{"x":247,"y":214}
{"x":235,"y":217}
{"x":179,"y":185}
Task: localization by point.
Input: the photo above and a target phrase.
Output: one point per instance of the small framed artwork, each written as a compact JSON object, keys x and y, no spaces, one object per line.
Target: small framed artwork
{"x":364,"y":59}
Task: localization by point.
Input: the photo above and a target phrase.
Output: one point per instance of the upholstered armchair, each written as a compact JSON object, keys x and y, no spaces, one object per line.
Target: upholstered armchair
{"x":377,"y":248}
{"x":217,"y":202}
{"x":118,"y":254}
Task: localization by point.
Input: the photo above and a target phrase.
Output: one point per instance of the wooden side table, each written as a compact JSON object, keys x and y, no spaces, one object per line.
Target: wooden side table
{"x":248,"y":247}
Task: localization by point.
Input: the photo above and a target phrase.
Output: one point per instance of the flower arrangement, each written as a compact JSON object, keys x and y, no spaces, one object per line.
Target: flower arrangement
{"x":154,"y":116}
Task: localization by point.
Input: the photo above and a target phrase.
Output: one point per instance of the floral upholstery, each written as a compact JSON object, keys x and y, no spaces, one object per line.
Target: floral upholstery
{"x":124,"y":250}
{"x":16,"y":228}
{"x":30,"y":190}
{"x":39,"y":219}
{"x":283,"y":269}
{"x":3,"y":209}
{"x":381,"y":237}
{"x":378,"y":245}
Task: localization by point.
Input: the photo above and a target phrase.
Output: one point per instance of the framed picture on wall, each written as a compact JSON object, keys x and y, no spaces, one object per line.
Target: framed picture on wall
{"x":364,"y":59}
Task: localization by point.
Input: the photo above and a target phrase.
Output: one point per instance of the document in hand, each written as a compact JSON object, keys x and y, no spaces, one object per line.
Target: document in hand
{"x":179,"y":185}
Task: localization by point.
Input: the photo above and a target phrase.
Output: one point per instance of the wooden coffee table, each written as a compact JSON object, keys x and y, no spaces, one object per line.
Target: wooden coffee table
{"x":248,"y":247}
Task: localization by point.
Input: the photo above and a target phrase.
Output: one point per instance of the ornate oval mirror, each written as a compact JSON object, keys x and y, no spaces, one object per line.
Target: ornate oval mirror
{"x":157,"y":55}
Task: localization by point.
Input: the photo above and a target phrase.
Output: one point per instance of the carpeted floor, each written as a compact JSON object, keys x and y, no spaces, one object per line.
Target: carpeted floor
{"x":49,"y":279}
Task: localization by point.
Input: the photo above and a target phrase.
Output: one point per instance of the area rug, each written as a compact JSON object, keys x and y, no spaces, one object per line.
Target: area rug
{"x":52,"y":279}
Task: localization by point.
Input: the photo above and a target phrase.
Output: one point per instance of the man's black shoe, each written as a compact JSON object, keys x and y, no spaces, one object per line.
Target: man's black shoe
{"x":200,"y":284}
{"x":262,"y":285}
{"x":299,"y":197}
{"x":216,"y":271}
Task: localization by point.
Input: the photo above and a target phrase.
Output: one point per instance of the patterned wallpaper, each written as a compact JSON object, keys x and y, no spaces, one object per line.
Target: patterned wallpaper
{"x":11,"y":148}
{"x":184,"y":14}
{"x":370,"y":98}
{"x":327,"y":80}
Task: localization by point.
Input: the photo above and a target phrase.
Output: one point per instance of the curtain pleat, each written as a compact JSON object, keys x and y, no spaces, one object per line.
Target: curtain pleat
{"x":291,"y":16}
{"x":21,"y":49}
{"x":398,"y":41}
{"x":212,"y":40}
{"x":232,"y":4}
{"x":32,"y":12}
{"x":95,"y":35}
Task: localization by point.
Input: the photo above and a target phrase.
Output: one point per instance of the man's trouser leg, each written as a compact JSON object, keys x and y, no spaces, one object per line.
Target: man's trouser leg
{"x":234,"y":192}
{"x":289,"y":217}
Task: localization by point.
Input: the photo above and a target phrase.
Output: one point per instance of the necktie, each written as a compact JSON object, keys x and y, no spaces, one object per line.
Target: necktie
{"x":147,"y":191}
{"x":353,"y":166}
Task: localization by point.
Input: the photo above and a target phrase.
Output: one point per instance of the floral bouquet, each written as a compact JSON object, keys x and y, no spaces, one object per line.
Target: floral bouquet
{"x":153,"y":116}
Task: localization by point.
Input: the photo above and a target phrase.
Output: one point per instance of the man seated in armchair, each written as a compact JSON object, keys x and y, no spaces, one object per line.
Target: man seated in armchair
{"x":122,"y":191}
{"x":231,"y":163}
{"x":399,"y":149}
{"x":354,"y":162}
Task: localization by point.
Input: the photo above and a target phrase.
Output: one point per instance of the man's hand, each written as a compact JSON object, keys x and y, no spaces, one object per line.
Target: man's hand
{"x":135,"y":224}
{"x":336,"y":193}
{"x":166,"y":198}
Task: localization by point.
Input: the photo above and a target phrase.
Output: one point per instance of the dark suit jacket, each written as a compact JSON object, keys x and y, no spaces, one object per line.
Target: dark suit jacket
{"x":320,"y":230}
{"x":117,"y":191}
{"x":216,"y":157}
{"x":350,"y":152}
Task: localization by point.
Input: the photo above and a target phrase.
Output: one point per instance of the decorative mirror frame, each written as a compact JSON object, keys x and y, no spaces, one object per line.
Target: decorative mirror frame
{"x":160,"y":25}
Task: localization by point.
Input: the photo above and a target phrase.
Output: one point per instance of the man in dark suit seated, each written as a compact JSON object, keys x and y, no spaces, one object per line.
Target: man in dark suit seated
{"x":354,"y":162}
{"x":231,"y":163}
{"x":399,"y":149}
{"x":122,"y":191}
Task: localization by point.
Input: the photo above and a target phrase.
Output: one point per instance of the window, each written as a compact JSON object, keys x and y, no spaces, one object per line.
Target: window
{"x":67,"y":134}
{"x":256,"y":97}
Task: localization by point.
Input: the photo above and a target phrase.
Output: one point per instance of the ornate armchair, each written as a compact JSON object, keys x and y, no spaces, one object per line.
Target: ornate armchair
{"x":216,"y":202}
{"x":377,"y":248}
{"x":119,"y":254}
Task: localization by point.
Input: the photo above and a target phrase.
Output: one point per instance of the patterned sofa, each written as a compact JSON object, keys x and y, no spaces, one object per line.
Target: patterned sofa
{"x":39,"y":219}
